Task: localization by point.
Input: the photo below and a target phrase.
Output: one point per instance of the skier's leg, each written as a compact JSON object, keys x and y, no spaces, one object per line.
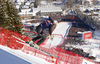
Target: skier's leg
{"x":39,"y":42}
{"x":31,"y":43}
{"x":42,"y":40}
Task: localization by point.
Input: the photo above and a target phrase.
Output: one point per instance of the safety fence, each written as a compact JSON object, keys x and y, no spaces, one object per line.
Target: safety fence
{"x":16,"y":41}
{"x":12,"y":39}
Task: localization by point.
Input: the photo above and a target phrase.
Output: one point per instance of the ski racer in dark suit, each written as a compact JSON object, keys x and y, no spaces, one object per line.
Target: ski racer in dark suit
{"x":39,"y":29}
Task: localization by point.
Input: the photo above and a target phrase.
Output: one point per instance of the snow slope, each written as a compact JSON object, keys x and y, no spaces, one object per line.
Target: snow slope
{"x":59,"y":34}
{"x":10,"y":56}
{"x":7,"y":58}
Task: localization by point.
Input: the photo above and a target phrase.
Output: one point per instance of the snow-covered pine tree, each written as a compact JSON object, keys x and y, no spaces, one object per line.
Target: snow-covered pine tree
{"x":2,"y":12}
{"x":9,"y":16}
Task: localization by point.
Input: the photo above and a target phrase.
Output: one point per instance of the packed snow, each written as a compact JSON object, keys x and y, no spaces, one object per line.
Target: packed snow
{"x":59,"y":34}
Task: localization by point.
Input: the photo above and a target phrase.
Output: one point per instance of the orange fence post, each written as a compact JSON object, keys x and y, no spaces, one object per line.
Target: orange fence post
{"x":56,"y":61}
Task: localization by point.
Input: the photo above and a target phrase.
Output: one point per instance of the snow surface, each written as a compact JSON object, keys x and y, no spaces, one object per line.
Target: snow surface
{"x":10,"y":59}
{"x":27,"y":59}
{"x":59,"y":34}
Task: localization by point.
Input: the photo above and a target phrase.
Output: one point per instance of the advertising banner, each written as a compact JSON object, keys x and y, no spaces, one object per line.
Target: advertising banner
{"x":87,"y":35}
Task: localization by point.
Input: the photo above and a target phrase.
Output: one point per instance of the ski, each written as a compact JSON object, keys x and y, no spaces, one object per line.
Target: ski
{"x":47,"y":53}
{"x":43,"y":51}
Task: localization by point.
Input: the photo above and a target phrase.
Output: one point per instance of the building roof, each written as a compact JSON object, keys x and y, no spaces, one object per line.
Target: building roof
{"x":49,"y":9}
{"x":28,"y":11}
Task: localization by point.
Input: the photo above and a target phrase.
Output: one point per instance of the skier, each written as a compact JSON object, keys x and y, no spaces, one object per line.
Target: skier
{"x":39,"y":30}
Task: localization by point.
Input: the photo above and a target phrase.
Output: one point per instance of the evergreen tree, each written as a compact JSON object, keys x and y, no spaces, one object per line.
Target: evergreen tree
{"x":9,"y":16}
{"x":2,"y":12}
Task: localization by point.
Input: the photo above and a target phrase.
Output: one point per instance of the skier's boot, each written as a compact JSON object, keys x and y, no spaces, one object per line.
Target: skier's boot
{"x":36,"y":46}
{"x":31,"y":43}
{"x":27,"y":42}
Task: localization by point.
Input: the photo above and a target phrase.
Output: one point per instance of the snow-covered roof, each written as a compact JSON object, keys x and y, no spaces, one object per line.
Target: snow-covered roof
{"x":25,"y":10}
{"x":25,"y":6}
{"x":49,"y":9}
{"x":27,"y":3}
{"x":28,"y":11}
{"x":20,"y":1}
{"x":31,"y":0}
{"x":43,"y":2}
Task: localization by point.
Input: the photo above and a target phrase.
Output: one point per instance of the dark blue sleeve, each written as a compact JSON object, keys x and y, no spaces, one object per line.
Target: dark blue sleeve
{"x":50,"y":29}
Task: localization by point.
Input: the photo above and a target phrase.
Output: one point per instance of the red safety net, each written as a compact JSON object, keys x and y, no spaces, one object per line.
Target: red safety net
{"x":30,"y":50}
{"x":3,"y":37}
{"x":17,"y":41}
{"x":12,"y":39}
{"x":64,"y":56}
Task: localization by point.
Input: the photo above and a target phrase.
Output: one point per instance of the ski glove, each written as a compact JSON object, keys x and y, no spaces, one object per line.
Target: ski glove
{"x":51,"y":37}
